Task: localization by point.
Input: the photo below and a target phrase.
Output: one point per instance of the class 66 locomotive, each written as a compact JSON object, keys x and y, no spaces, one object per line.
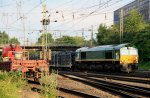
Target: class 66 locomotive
{"x":122,"y":57}
{"x":14,"y":58}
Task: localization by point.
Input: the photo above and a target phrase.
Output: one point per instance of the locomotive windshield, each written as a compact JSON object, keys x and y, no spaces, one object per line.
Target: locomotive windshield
{"x":128,"y":51}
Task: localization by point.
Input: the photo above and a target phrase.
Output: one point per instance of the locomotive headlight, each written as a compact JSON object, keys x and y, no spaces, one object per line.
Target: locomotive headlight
{"x":136,"y":59}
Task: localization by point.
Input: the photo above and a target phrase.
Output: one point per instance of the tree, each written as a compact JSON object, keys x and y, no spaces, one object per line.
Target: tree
{"x":79,"y":40}
{"x":14,"y":41}
{"x":133,"y":24}
{"x":49,"y":38}
{"x":4,"y":38}
{"x":71,"y":40}
{"x":65,"y":40}
{"x":107,"y":35}
{"x":142,"y":42}
{"x":137,"y":31}
{"x":102,"y":33}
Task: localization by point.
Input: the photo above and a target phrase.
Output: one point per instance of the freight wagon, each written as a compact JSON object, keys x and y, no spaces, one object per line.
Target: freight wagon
{"x":14,"y":58}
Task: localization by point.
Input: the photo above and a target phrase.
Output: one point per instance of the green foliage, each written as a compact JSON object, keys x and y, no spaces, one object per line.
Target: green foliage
{"x":14,"y":41}
{"x":43,"y":36}
{"x":67,"y":40}
{"x":8,"y":90}
{"x":136,"y":31}
{"x":134,"y":22}
{"x":49,"y":85}
{"x":142,"y":42}
{"x":102,"y":33}
{"x":79,"y":40}
{"x":144,"y":66}
{"x":107,"y":35}
{"x":10,"y":84}
{"x":4,"y":37}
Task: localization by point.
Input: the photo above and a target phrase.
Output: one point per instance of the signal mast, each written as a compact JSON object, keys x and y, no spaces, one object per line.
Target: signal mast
{"x":45,"y":22}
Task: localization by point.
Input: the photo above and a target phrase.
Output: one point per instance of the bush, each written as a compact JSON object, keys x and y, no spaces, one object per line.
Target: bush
{"x":8,"y":90}
{"x":49,"y":85}
{"x":10,"y":84}
{"x":144,"y":66}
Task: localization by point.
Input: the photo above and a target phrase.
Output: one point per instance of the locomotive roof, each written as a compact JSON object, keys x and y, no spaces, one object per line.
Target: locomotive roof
{"x":103,"y":47}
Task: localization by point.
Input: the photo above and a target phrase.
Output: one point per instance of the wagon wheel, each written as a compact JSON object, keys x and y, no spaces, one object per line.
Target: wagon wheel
{"x":36,"y":79}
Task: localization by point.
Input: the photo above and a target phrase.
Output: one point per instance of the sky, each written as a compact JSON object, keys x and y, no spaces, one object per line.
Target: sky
{"x":21,"y":18}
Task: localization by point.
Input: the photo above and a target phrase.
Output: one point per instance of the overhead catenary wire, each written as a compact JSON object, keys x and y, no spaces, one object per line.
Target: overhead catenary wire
{"x":83,"y":18}
{"x":80,"y":13}
{"x":90,"y":15}
{"x":27,"y":12}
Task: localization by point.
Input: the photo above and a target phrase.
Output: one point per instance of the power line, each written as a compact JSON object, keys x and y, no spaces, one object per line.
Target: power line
{"x":85,"y":16}
{"x":96,"y":11}
{"x":29,"y":11}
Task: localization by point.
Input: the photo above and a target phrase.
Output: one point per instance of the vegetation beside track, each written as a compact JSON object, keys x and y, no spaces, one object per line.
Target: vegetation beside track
{"x":11,"y":84}
{"x":49,"y":85}
{"x":144,"y":66}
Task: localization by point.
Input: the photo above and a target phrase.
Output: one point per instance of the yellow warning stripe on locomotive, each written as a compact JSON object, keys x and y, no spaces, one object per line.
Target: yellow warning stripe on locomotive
{"x":128,"y":59}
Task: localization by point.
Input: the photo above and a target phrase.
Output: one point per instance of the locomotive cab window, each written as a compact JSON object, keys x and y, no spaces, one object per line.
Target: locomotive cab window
{"x":83,"y":55}
{"x":108,"y":55}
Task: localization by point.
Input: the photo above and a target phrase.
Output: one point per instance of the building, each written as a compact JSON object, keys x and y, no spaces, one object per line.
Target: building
{"x":143,"y":6}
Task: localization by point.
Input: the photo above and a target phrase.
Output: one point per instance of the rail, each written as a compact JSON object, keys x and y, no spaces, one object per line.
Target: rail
{"x":119,"y":89}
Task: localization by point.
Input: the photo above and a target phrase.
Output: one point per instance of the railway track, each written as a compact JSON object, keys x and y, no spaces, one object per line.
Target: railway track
{"x":36,"y":87}
{"x":77,"y":93}
{"x":139,"y":74}
{"x":115,"y":88}
{"x":114,"y":77}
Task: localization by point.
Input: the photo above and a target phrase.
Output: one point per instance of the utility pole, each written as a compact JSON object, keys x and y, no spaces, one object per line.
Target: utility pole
{"x":91,"y":35}
{"x":27,"y":42}
{"x":45,"y":22}
{"x":121,"y":26}
{"x":83,"y":33}
{"x":23,"y":22}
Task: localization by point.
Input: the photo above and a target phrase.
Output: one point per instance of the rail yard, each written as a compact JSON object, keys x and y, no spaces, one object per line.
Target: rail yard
{"x":97,"y":85}
{"x":45,"y":77}
{"x":74,"y":48}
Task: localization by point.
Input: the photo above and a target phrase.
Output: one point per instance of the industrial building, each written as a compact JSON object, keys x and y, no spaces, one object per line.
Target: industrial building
{"x":143,"y":6}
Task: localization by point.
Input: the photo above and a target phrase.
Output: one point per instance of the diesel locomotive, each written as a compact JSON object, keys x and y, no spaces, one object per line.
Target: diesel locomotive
{"x":122,"y":57}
